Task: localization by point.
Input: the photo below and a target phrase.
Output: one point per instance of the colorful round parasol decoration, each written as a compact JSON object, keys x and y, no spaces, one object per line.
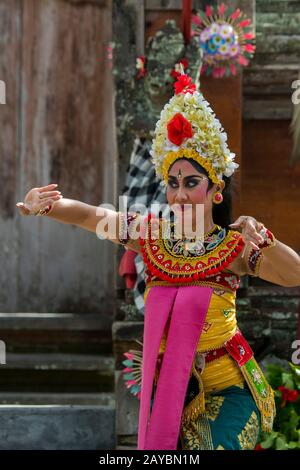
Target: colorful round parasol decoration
{"x":227,"y":39}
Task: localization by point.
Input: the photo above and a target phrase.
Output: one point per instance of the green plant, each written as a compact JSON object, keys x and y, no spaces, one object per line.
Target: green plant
{"x":286,"y":429}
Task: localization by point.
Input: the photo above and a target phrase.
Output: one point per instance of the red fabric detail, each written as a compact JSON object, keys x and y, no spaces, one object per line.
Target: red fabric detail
{"x":215,"y":354}
{"x":239,"y":349}
{"x":127,"y":268}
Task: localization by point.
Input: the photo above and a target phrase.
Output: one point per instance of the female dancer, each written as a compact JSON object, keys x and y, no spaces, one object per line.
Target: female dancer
{"x":201,"y":385}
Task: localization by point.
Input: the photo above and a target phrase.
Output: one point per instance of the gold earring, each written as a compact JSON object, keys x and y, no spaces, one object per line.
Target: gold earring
{"x":217,"y":197}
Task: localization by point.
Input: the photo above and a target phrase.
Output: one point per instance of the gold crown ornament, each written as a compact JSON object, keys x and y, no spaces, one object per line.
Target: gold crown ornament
{"x":189,"y":128}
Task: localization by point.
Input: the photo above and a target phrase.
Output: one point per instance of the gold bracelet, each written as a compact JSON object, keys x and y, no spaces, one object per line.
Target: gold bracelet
{"x":43,"y":211}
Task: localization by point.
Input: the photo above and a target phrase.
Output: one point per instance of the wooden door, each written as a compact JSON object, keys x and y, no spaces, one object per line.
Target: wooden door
{"x":57,"y":126}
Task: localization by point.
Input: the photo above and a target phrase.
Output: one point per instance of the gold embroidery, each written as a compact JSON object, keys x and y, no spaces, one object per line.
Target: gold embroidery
{"x":213,"y":405}
{"x":196,"y":407}
{"x":249,"y":435}
{"x":159,"y":255}
{"x":262,"y":393}
{"x":196,"y":435}
{"x":216,"y":379}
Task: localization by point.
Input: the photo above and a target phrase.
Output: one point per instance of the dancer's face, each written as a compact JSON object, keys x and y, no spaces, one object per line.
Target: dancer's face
{"x":187,"y":188}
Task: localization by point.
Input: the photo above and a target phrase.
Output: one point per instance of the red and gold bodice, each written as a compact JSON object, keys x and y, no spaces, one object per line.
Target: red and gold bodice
{"x":172,"y":261}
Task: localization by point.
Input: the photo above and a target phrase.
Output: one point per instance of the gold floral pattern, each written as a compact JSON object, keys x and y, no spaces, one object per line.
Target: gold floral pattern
{"x":223,"y":425}
{"x":249,"y":436}
{"x":213,"y":405}
{"x":196,"y":435}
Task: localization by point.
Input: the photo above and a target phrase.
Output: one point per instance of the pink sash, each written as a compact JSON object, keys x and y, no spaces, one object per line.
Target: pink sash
{"x":187,"y":306}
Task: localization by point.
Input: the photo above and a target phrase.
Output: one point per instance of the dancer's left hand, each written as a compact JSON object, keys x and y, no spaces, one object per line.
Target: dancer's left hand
{"x":249,"y":228}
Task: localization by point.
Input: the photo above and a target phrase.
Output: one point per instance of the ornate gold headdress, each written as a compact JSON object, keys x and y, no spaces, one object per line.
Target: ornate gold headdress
{"x":188,"y":128}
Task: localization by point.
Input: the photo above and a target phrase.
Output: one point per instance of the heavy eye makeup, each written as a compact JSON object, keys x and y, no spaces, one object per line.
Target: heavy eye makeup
{"x":189,"y":181}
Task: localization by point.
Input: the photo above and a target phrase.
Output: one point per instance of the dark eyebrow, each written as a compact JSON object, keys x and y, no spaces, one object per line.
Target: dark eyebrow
{"x":186,"y":177}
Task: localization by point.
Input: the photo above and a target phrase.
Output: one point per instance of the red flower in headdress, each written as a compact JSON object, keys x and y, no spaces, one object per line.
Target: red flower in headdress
{"x":179,"y":129}
{"x":184,"y":85}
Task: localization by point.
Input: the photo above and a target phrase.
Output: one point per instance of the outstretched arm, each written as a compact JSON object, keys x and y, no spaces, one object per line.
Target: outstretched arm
{"x":106,"y":223}
{"x":277,"y":263}
{"x":103,"y":222}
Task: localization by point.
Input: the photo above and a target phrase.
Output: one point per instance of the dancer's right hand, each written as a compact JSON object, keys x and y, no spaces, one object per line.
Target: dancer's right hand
{"x":39,"y":198}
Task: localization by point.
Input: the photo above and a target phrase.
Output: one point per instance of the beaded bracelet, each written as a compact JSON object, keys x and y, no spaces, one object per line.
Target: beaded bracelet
{"x":122,"y":236}
{"x":269,"y":239}
{"x":254,"y":259}
{"x":128,"y":223}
